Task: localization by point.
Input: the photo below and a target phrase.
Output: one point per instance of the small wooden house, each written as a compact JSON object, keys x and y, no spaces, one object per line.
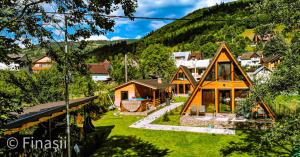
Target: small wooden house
{"x":100,"y":71}
{"x":271,"y":62}
{"x":141,"y":95}
{"x":43,"y":63}
{"x":183,"y":81}
{"x":223,"y":84}
{"x":249,"y":59}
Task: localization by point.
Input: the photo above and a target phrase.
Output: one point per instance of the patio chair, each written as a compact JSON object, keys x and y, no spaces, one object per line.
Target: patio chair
{"x":202,"y":110}
{"x":193,"y":111}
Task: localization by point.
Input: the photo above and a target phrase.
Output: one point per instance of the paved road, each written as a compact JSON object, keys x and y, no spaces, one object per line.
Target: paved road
{"x":145,"y":123}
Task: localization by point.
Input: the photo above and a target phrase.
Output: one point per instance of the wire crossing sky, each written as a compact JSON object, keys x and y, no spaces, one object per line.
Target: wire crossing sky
{"x":127,"y":29}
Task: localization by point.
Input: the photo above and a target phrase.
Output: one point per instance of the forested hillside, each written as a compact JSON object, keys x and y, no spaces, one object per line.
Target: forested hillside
{"x":234,"y":22}
{"x":36,"y":51}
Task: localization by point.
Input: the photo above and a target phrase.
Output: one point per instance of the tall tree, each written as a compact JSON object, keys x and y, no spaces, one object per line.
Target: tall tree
{"x":118,"y":68}
{"x":278,"y":11}
{"x":276,"y":45}
{"x":30,"y":22}
{"x":156,"y":60}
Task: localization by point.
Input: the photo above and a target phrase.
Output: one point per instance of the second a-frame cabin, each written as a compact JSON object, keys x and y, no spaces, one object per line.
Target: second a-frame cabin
{"x":222,"y":85}
{"x":183,"y":81}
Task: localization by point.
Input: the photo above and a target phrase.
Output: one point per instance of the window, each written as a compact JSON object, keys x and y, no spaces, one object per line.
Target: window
{"x":187,"y":88}
{"x":238,"y":76}
{"x":124,"y":95}
{"x":211,"y":76}
{"x":181,"y":89}
{"x":240,"y":94}
{"x":181,"y":76}
{"x":199,"y":71}
{"x":224,"y":71}
{"x":208,"y":100}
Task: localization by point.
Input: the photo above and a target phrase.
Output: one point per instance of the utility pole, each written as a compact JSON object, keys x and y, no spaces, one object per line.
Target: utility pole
{"x":126,"y":79}
{"x":67,"y":86}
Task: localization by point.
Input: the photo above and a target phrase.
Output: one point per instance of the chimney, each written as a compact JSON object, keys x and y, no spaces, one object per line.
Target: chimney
{"x":159,"y":80}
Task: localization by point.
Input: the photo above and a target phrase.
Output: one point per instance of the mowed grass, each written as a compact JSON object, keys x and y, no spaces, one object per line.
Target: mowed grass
{"x":179,"y":144}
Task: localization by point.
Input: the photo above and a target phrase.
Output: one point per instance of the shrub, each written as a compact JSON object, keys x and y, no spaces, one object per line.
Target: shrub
{"x":171,"y":112}
{"x":166,"y":117}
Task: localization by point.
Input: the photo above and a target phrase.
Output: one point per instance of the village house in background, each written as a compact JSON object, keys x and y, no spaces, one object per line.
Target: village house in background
{"x":16,"y":62}
{"x":141,"y":96}
{"x":194,"y":61}
{"x":219,"y":90}
{"x":262,"y":38}
{"x":183,"y":82}
{"x":100,"y":71}
{"x":260,"y":75}
{"x":43,"y":63}
{"x":250,"y":59}
{"x":271,"y":62}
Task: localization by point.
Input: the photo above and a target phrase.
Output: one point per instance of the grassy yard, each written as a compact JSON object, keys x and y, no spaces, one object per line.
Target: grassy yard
{"x":125,"y":141}
{"x":180,"y":99}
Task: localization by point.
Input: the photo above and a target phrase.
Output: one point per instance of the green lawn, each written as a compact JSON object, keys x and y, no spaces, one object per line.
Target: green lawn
{"x":180,"y":99}
{"x":125,"y":141}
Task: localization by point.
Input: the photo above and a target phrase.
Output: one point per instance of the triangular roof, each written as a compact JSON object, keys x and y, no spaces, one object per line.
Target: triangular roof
{"x":271,"y":58}
{"x":41,"y":58}
{"x":187,"y":73}
{"x":248,"y":55}
{"x":260,"y":69}
{"x":248,"y":80}
{"x":150,"y":83}
{"x":97,"y":69}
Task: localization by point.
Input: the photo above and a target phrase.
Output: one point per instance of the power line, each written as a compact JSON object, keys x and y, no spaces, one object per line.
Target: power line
{"x":150,"y":18}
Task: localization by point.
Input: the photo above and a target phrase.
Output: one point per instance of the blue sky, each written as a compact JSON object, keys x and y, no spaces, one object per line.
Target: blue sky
{"x":125,"y":28}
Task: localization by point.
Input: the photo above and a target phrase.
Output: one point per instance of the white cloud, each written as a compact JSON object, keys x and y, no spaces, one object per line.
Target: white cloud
{"x":138,"y":37}
{"x":102,"y":37}
{"x":205,"y":3}
{"x":20,"y":44}
{"x":95,"y":37}
{"x":117,"y":38}
{"x":157,"y":24}
{"x":213,"y":2}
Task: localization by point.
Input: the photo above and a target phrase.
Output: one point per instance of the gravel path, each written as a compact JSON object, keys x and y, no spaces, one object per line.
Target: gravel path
{"x":145,"y":123}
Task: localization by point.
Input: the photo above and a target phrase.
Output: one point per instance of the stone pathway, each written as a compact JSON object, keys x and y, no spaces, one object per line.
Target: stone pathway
{"x":145,"y":123}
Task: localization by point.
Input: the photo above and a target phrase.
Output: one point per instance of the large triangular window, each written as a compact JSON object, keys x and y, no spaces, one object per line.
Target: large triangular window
{"x":181,"y":76}
{"x":224,"y":71}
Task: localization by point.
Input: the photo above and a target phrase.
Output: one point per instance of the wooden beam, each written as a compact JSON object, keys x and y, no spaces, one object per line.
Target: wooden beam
{"x":216,"y":100}
{"x":153,"y":97}
{"x":232,"y":100}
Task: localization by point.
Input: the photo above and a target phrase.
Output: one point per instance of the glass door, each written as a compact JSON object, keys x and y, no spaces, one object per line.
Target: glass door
{"x":225,"y":101}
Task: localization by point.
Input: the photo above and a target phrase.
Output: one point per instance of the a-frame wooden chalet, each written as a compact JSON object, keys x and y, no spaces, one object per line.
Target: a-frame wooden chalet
{"x":183,"y":81}
{"x":223,"y":84}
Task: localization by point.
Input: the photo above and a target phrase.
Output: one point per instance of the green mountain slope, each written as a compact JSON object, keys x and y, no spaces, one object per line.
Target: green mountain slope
{"x":37,"y":52}
{"x":232,"y":22}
